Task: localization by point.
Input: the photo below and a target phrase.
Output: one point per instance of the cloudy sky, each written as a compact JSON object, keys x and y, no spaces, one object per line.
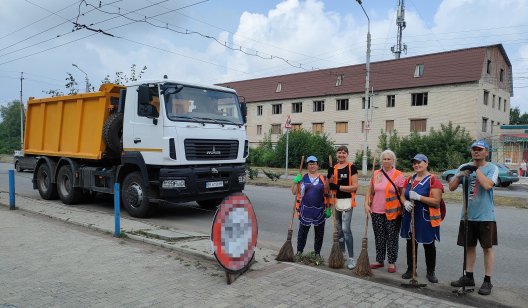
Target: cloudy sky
{"x":226,"y":40}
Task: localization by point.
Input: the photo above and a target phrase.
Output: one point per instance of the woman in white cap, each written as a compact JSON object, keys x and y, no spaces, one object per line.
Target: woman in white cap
{"x":426,"y":192}
{"x":310,"y":189}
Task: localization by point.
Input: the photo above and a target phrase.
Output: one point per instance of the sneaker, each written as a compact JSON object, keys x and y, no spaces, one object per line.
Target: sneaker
{"x":407,"y":275}
{"x":431,"y":277}
{"x":485,"y":289}
{"x":463,"y":282}
{"x":351,"y":263}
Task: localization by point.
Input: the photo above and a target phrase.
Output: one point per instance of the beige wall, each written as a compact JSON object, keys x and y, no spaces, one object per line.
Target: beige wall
{"x":460,"y":104}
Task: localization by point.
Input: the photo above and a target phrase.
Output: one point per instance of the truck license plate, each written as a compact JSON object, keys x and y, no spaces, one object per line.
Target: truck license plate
{"x":214,"y":184}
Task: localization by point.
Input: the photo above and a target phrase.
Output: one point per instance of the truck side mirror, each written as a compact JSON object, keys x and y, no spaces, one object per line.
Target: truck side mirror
{"x":143,"y":101}
{"x":243,"y":109}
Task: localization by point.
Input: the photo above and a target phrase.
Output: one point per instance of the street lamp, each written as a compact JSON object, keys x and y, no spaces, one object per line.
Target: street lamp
{"x":85,"y":77}
{"x":367,"y":100}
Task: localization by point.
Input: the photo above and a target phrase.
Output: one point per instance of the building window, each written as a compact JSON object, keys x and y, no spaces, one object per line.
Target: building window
{"x":389,"y":126}
{"x":296,"y":126}
{"x":419,"y":125}
{"x":419,"y":70}
{"x":342,"y":104}
{"x":504,"y":106}
{"x":276,"y":108}
{"x":318,"y":106}
{"x":339,"y":80}
{"x":259,"y":110}
{"x":484,"y":124}
{"x":259,"y":129}
{"x":341,"y":127}
{"x":491,"y":127}
{"x":276,"y":129}
{"x":391,"y":101}
{"x":296,"y":107}
{"x":500,"y":103}
{"x":493,"y":102}
{"x":419,"y":99}
{"x":362,"y":126}
{"x":279,"y":87}
{"x":501,"y":76}
{"x":488,"y":67}
{"x":363,"y":103}
{"x":486,"y":97}
{"x":317,"y":128}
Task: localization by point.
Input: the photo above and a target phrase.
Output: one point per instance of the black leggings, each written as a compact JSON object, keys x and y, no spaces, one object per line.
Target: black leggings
{"x":430,"y":256}
{"x":302,"y":235}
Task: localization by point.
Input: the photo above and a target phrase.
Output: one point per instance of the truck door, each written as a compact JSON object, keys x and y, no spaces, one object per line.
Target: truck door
{"x":145,"y":124}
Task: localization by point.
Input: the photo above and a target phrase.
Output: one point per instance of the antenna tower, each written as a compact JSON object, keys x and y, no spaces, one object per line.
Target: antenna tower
{"x":400,"y":22}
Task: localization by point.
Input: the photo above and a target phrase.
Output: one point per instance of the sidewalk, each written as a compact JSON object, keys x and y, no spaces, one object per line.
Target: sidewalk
{"x":59,"y":262}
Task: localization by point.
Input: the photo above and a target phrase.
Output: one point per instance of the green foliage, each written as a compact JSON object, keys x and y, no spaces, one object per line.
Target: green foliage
{"x":122,"y":78}
{"x":10,"y":127}
{"x":446,"y":148}
{"x":358,"y":159}
{"x":271,"y":175}
{"x":252,"y":173}
{"x":516,"y":118}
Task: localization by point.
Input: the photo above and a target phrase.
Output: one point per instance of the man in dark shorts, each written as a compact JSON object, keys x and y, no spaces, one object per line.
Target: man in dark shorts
{"x":482,"y":226}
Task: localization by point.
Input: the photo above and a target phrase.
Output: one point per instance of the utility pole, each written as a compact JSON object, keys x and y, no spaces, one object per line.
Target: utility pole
{"x":21,"y":113}
{"x":85,"y":78}
{"x":366,"y":126}
{"x":400,"y":22}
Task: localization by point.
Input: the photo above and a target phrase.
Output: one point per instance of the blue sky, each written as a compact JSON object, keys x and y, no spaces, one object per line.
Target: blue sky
{"x":37,"y":38}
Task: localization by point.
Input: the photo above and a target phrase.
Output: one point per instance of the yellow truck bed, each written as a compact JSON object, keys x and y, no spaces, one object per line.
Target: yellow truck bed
{"x":69,"y":126}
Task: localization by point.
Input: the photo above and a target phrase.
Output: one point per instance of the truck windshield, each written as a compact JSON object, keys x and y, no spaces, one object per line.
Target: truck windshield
{"x":185,"y":103}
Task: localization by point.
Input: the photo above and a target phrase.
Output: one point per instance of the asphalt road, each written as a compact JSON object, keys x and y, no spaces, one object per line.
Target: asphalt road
{"x":273,"y":208}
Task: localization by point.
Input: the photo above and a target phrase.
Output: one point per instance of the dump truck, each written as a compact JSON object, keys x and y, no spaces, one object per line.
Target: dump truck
{"x":163,"y":141}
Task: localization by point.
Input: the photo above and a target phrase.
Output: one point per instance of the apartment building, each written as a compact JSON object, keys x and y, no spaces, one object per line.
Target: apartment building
{"x":470,"y":87}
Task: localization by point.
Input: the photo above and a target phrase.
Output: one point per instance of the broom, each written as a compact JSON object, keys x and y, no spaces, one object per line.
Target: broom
{"x":286,"y":252}
{"x":362,"y":268}
{"x":336,"y":259}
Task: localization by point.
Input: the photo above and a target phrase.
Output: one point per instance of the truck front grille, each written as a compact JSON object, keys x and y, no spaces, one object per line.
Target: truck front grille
{"x":210,"y":149}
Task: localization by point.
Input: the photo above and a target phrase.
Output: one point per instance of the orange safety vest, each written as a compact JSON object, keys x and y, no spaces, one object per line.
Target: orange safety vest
{"x":353,"y":194}
{"x":298,"y":198}
{"x":392,"y":204}
{"x":435,"y":214}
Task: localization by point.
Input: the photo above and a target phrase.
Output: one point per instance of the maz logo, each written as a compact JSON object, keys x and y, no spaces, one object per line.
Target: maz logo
{"x":213,"y":152}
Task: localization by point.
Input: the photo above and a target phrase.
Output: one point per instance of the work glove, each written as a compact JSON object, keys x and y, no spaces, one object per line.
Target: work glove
{"x":297,"y":179}
{"x":414,"y":195}
{"x":408,"y":205}
{"x":328,"y":212}
{"x":471,"y":168}
{"x":330,"y":172}
{"x":333,"y":186}
{"x":462,"y":174}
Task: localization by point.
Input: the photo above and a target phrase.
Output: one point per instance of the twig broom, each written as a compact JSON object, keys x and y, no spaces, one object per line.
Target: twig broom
{"x":362,"y":268}
{"x":336,"y":259}
{"x":286,"y":252}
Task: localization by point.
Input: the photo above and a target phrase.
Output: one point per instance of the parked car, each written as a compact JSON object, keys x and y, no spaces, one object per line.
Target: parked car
{"x":506,"y":176}
{"x":24,"y":163}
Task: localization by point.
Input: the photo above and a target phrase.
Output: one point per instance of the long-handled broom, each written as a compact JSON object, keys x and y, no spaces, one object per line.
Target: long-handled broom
{"x":413,"y":283}
{"x":286,"y":252}
{"x":336,"y":259}
{"x":362,"y":268}
{"x":465,"y":187}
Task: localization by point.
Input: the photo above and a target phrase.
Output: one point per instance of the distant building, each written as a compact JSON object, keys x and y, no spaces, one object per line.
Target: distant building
{"x":469,"y":87}
{"x":510,"y":144}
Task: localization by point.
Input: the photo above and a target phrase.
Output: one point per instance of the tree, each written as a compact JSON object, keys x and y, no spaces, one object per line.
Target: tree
{"x":516,"y":118}
{"x":10,"y":127}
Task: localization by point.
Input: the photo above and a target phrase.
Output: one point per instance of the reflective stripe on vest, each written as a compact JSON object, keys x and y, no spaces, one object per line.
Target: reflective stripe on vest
{"x":353,"y":194}
{"x":392,"y":205}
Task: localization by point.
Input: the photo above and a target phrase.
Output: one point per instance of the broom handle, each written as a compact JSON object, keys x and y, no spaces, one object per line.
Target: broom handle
{"x":332,"y":197}
{"x":413,"y":240}
{"x":295,"y":198}
{"x":369,"y":193}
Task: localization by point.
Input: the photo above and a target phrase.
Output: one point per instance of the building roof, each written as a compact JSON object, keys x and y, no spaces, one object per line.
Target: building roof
{"x":450,"y":67}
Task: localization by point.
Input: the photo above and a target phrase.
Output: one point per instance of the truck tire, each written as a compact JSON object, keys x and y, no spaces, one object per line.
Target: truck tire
{"x":17,"y":167}
{"x":47,"y":189}
{"x":113,"y":132}
{"x":210,"y":204}
{"x":134,"y":195}
{"x":67,"y":193}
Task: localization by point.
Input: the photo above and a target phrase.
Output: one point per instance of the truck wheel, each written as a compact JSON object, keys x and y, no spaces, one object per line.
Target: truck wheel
{"x":113,"y":132}
{"x":47,"y":190}
{"x":67,"y":193}
{"x":210,"y":204}
{"x":17,"y":167}
{"x":134,"y":195}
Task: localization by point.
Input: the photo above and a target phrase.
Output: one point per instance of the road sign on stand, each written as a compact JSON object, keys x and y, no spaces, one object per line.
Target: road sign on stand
{"x":288,"y":123}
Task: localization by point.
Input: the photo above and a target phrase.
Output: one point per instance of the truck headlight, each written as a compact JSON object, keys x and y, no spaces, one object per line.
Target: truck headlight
{"x":242,"y":178}
{"x":173,"y":184}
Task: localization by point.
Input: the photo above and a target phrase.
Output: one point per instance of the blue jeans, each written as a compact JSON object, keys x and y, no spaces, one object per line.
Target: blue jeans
{"x":344,"y":232}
